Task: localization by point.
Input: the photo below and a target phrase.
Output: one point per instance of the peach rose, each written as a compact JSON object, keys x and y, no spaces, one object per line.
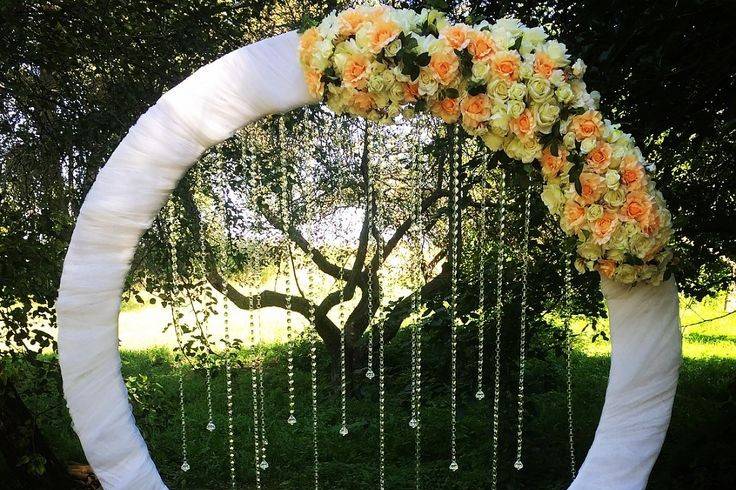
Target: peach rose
{"x":381,"y":33}
{"x":606,"y":267}
{"x":524,"y":125}
{"x":505,"y":64}
{"x":592,"y":187}
{"x":314,"y":83}
{"x":457,"y":36}
{"x":350,"y":21}
{"x":637,"y":207}
{"x":481,"y":45}
{"x":543,"y":65}
{"x":553,"y":165}
{"x":355,"y":74}
{"x":411,"y":92}
{"x":632,"y":172}
{"x":362,"y":102}
{"x":447,"y":109}
{"x":573,"y":216}
{"x":653,"y":224}
{"x":307,"y":42}
{"x":586,"y":125}
{"x":445,"y":66}
{"x":604,"y":227}
{"x":599,"y":158}
{"x":476,"y":107}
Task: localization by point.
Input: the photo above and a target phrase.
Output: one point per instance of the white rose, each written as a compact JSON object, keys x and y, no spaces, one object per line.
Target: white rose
{"x":428,"y":84}
{"x":553,"y":198}
{"x":393,"y":48}
{"x":557,"y":78}
{"x":515,"y":107}
{"x":539,"y":89}
{"x":569,"y":140}
{"x":532,"y":39}
{"x":480,"y":71}
{"x":590,"y":250}
{"x":612,"y":179}
{"x":564,"y":93}
{"x":579,"y":68}
{"x":594,"y":212}
{"x":526,"y":70}
{"x":625,"y":273}
{"x":545,"y":115}
{"x":588,"y":144}
{"x":492,"y":140}
{"x":517,"y":91}
{"x":498,"y":89}
{"x":557,"y":52}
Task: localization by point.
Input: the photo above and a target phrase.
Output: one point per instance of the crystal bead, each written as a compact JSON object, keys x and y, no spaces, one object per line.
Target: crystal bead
{"x":518,"y":465}
{"x":370,"y":374}
{"x":413,"y":423}
{"x":479,"y":395}
{"x":454,"y":466}
{"x":264,"y":464}
{"x":291,"y":420}
{"x":210,"y":426}
{"x":185,"y":466}
{"x":343,"y":431}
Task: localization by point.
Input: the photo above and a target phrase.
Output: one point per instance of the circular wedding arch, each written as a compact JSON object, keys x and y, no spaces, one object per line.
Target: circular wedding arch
{"x":208,"y":107}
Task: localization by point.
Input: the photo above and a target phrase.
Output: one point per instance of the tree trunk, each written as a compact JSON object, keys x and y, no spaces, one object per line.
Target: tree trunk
{"x":30,"y":460}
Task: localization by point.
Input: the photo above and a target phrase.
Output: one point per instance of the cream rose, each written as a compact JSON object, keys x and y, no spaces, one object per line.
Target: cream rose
{"x":553,"y":198}
{"x":539,"y":89}
{"x":517,"y":91}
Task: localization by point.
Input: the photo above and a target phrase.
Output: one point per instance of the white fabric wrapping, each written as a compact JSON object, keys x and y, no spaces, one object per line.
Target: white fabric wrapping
{"x":645,"y":361}
{"x":206,"y":108}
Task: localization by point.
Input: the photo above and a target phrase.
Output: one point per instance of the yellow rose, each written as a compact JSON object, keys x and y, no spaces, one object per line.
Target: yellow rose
{"x":553,"y":198}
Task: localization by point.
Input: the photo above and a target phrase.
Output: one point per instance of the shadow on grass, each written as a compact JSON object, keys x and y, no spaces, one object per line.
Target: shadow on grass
{"x":698,"y":452}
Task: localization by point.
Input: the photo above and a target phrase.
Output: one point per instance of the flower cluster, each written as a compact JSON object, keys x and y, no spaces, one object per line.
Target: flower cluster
{"x":515,"y":89}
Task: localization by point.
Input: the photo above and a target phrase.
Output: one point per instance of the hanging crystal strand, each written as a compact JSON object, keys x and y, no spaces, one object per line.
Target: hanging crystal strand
{"x":343,"y":365}
{"x":481,"y":281}
{"x":208,"y":382}
{"x":180,"y":372}
{"x":287,"y":251}
{"x":369,"y":289}
{"x":261,"y":393}
{"x":229,"y":393}
{"x":254,"y":391}
{"x":498,"y":314}
{"x":313,"y":370}
{"x":518,"y":464}
{"x":381,"y":364}
{"x":415,"y":422}
{"x":455,"y":265}
{"x":568,"y":359}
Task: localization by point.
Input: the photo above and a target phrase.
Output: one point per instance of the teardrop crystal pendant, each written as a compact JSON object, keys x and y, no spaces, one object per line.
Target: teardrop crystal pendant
{"x":370,"y":374}
{"x":454,"y":466}
{"x":264,"y":464}
{"x":291,"y":420}
{"x":343,"y":431}
{"x":211,"y":426}
{"x":185,"y":467}
{"x":413,"y":423}
{"x":518,"y":465}
{"x":479,"y":395}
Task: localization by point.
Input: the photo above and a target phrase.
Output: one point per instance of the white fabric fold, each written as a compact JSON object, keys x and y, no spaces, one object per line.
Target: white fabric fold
{"x":206,"y":108}
{"x":645,"y":360}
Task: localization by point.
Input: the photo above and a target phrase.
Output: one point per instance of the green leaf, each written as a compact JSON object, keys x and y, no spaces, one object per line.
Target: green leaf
{"x":452,"y":93}
{"x":423,"y":59}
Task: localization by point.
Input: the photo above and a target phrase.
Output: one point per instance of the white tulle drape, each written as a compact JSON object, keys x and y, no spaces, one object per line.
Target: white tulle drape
{"x":645,"y":361}
{"x":206,"y":108}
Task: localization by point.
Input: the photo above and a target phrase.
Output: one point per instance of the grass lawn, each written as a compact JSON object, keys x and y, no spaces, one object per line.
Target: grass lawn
{"x":698,"y":452}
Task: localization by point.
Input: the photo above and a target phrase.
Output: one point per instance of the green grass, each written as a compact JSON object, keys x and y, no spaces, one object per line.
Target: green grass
{"x":698,"y":451}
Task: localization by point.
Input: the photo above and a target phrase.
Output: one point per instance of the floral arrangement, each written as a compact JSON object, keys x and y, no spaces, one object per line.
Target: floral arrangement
{"x":517,"y":90}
